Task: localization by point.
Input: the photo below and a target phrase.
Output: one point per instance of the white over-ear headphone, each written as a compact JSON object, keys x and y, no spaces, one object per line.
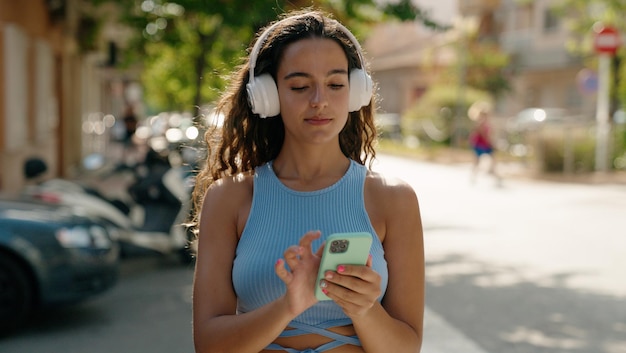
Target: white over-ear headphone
{"x":263,"y":93}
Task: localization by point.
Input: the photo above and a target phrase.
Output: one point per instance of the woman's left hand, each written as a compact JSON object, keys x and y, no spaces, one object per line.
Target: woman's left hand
{"x":354,"y":288}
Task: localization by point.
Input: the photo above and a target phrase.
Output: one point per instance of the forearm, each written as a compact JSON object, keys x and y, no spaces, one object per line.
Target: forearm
{"x":381,"y":333}
{"x":249,"y":332}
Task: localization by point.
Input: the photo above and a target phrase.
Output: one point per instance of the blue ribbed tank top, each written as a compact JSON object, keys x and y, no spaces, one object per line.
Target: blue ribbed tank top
{"x":279,"y":217}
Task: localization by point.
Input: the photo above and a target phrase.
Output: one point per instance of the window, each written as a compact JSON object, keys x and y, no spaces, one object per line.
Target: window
{"x":551,"y":21}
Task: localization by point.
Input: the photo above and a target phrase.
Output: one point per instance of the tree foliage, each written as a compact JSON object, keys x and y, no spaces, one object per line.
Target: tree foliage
{"x":187,"y":47}
{"x":486,"y":64}
{"x":581,"y":17}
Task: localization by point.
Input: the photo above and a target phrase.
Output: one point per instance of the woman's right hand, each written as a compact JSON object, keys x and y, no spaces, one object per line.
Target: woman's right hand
{"x":300,"y":279}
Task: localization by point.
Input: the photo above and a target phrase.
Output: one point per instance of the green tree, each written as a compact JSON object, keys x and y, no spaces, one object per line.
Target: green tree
{"x":581,"y":17}
{"x":188,"y":46}
{"x":486,"y":64}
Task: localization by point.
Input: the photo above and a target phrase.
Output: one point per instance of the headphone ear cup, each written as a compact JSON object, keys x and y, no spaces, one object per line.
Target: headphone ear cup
{"x":360,"y":89}
{"x":263,"y":96}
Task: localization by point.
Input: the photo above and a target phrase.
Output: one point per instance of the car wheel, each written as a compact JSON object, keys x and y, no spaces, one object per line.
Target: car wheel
{"x":16,"y":294}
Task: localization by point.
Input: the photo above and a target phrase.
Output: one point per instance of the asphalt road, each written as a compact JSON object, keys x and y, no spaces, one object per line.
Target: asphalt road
{"x":512,"y":267}
{"x":148,"y":311}
{"x":519,"y":265}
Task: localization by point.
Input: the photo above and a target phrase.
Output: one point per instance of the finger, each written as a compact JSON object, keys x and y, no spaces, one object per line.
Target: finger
{"x":282,"y":272}
{"x":339,"y":294}
{"x":292,"y":256}
{"x":360,"y":279}
{"x":362,"y":272}
{"x":307,"y":240}
{"x":369,"y":261}
{"x":353,"y":297}
{"x":320,"y":250}
{"x":359,"y":271}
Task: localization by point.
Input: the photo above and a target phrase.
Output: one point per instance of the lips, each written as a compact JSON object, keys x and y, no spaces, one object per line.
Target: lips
{"x":318,"y":120}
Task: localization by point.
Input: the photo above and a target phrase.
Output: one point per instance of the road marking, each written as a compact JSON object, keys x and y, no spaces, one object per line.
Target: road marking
{"x":441,"y":337}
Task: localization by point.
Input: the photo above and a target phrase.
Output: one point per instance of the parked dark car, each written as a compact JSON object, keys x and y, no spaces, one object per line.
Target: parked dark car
{"x":49,"y":256}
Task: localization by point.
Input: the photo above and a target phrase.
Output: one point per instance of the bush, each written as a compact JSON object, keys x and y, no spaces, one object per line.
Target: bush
{"x":572,"y":149}
{"x":619,"y":150}
{"x":432,"y":117}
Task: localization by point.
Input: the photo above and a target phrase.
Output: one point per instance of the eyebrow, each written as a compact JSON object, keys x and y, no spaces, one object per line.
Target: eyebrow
{"x":304,"y":74}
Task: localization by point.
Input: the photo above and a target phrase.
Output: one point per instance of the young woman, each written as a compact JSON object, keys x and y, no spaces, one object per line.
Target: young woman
{"x":289,"y":170}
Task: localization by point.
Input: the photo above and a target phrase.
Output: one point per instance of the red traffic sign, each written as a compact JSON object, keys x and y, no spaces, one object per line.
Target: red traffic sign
{"x":607,"y":40}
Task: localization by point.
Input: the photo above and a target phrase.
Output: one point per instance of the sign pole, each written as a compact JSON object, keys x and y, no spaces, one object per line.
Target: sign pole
{"x":602,"y":112}
{"x":606,"y":42}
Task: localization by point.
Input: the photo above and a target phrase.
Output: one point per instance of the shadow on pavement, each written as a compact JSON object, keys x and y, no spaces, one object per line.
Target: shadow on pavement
{"x":504,"y":312}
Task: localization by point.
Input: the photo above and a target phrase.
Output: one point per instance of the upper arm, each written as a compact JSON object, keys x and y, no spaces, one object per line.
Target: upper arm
{"x":213,"y":293}
{"x":404,"y":251}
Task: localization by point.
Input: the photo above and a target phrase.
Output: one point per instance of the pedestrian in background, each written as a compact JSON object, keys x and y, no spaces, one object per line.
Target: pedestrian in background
{"x":129,"y":147}
{"x":481,"y":139}
{"x":130,"y":126}
{"x":292,"y":165}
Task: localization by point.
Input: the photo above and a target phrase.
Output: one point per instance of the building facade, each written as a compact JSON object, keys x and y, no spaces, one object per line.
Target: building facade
{"x":57,"y":87}
{"x":542,"y":71}
{"x":405,"y":60}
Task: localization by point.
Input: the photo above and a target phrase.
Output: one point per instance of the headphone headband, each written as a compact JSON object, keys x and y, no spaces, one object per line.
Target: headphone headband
{"x":259,"y":43}
{"x":263,"y":93}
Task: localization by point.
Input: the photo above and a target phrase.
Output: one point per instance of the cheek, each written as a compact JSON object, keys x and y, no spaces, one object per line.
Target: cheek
{"x":290,"y":104}
{"x":342,"y":101}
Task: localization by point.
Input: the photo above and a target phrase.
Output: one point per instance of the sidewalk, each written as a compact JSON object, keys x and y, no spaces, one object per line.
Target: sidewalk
{"x":441,"y":337}
{"x":514,"y":169}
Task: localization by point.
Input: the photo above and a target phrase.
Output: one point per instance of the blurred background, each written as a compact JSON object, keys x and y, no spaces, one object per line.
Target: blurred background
{"x":103,"y":104}
{"x":72,"y":69}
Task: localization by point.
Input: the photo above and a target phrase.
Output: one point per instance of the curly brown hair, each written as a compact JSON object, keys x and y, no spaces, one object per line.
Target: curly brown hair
{"x":246,"y":141}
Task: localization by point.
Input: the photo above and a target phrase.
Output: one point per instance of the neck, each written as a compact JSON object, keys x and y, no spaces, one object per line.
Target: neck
{"x":306,"y":169}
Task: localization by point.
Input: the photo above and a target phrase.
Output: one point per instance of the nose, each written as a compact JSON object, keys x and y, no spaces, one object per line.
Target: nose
{"x":319,"y":97}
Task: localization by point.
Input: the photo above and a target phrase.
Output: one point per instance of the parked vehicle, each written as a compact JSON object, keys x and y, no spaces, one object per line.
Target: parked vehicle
{"x":162,"y":203}
{"x":530,"y":119}
{"x":151,"y":217}
{"x":50,"y":255}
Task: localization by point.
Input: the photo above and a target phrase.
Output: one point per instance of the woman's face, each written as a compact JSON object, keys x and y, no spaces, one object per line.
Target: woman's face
{"x":313,"y":89}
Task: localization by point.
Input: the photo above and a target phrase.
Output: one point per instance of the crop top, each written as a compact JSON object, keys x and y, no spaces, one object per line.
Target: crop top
{"x":279,"y":217}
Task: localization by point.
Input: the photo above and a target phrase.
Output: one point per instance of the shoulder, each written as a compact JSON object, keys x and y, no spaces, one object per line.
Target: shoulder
{"x":229,"y":191}
{"x":389,"y":200}
{"x":393,"y":208}
{"x":226,"y":205}
{"x":392,"y":189}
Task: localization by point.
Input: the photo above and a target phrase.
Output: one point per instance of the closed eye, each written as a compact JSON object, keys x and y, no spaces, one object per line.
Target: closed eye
{"x":334,"y":87}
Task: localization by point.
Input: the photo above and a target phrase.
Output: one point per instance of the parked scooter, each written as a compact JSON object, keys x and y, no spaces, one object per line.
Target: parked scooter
{"x":162,"y":195}
{"x":85,"y":199}
{"x":151,"y":218}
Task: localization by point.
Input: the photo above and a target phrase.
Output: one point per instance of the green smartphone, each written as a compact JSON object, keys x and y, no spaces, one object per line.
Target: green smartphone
{"x":342,"y":249}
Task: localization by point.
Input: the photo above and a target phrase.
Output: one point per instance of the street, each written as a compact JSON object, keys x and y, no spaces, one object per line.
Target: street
{"x":148,"y":311}
{"x":533,"y":267}
{"x":517,"y":266}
